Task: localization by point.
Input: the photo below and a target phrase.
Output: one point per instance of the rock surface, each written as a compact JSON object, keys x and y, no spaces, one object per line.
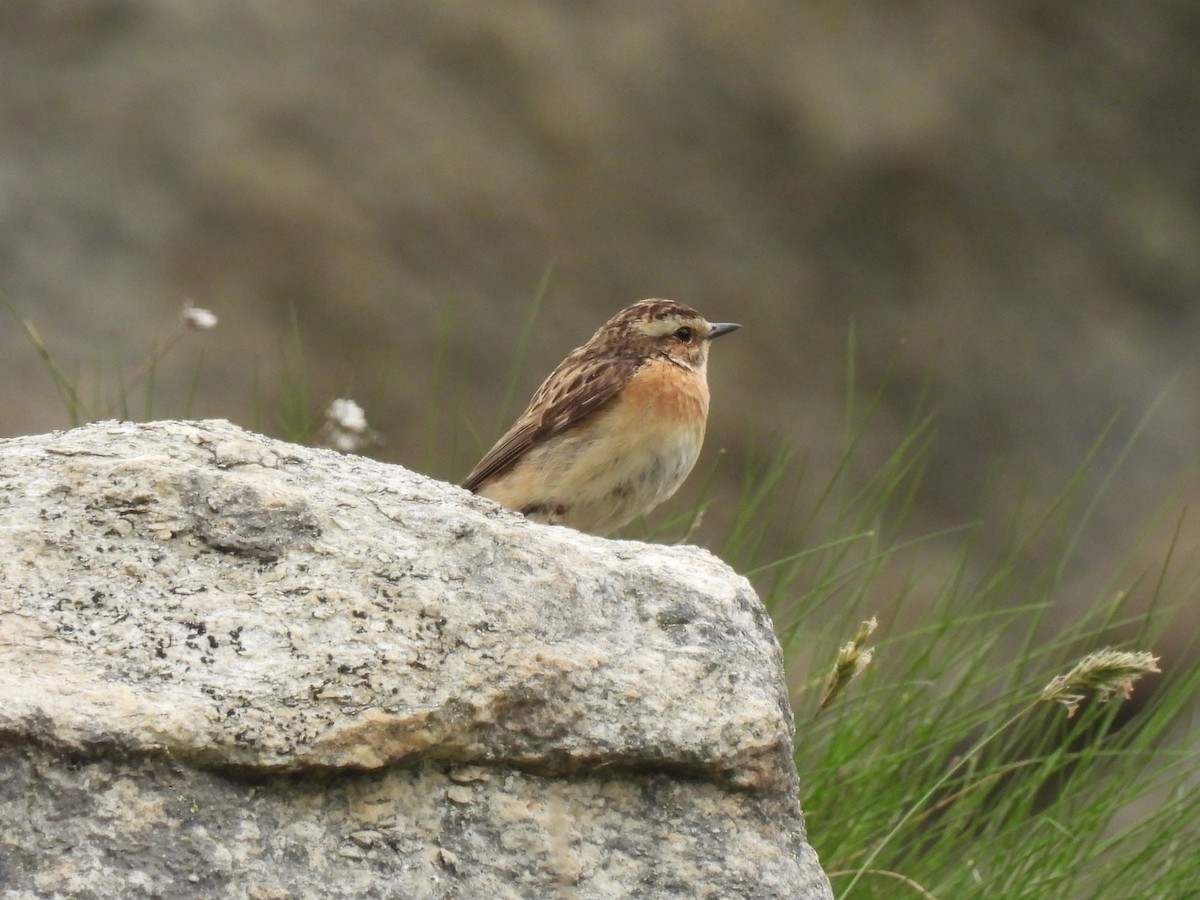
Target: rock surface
{"x":236,"y":667}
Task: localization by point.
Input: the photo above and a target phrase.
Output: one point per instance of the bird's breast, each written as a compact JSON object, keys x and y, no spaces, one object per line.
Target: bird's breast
{"x":666,"y":394}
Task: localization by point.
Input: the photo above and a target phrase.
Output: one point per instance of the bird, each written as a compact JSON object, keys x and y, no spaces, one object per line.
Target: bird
{"x":615,"y":429}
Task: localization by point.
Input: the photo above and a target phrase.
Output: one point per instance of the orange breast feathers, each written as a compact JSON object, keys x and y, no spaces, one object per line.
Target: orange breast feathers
{"x":665,"y":394}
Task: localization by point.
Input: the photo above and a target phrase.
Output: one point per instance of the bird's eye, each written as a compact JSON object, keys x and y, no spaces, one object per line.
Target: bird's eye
{"x":684,"y":334}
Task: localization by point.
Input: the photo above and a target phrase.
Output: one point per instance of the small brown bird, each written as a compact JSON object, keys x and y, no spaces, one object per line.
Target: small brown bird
{"x":615,"y":429}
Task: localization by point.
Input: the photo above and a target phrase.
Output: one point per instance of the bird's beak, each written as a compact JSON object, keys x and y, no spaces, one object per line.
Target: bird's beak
{"x":720,"y":328}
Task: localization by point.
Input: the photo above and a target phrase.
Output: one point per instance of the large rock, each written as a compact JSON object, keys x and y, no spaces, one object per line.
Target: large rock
{"x":236,"y":667}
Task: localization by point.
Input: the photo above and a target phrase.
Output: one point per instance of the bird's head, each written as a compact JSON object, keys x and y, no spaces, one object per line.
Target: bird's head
{"x":665,"y":329}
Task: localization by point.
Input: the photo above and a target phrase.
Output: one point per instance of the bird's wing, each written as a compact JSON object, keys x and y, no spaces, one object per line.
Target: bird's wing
{"x":576,"y":389}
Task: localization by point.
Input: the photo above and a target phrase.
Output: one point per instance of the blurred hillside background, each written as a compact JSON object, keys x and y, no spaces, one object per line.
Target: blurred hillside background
{"x":999,"y":200}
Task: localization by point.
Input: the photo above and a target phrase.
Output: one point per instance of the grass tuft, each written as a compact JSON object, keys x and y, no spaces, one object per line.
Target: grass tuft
{"x":941,"y":770}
